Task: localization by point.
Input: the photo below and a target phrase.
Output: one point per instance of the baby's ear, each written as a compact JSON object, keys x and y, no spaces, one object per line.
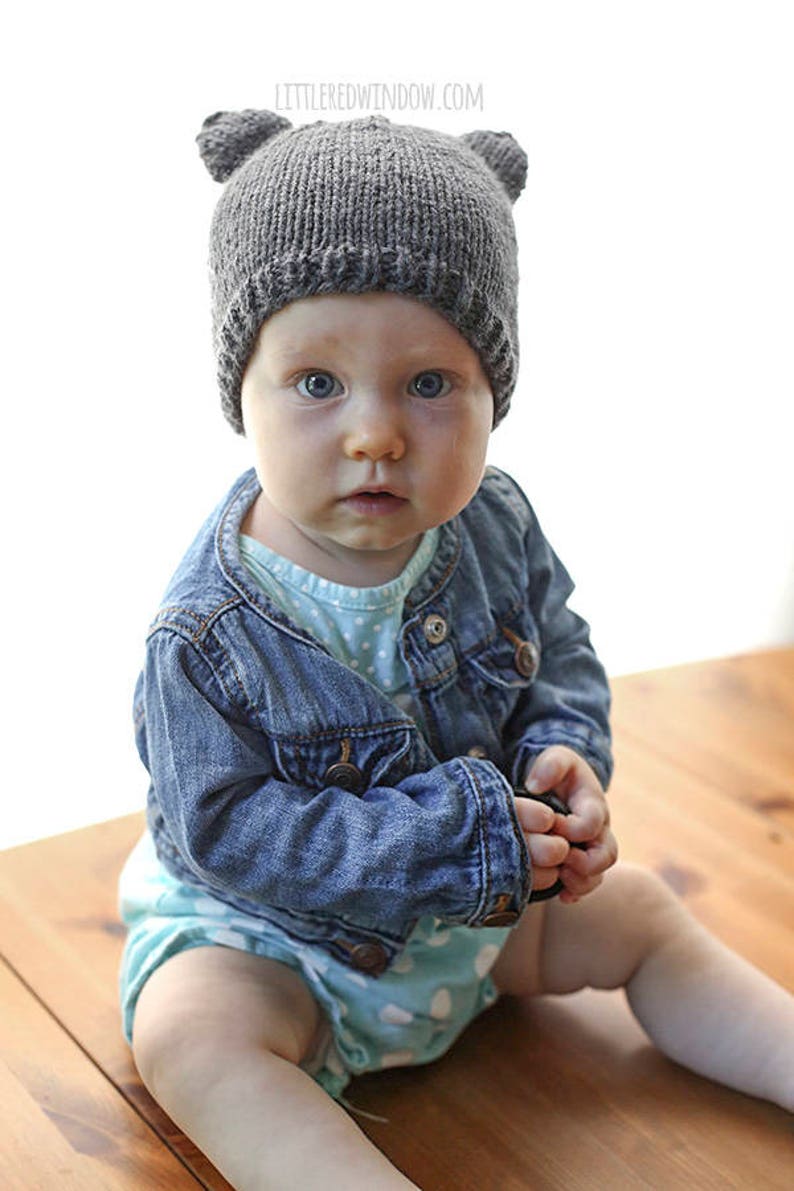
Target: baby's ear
{"x":504,"y":155}
{"x":227,"y":139}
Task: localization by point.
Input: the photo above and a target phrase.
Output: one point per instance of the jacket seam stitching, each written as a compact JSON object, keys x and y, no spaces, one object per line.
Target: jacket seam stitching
{"x":203,"y":623}
{"x":337,"y":733}
{"x":486,"y":852}
{"x":203,"y":654}
{"x":441,"y":582}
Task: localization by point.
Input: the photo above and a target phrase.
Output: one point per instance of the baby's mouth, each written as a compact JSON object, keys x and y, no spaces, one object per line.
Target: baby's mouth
{"x":376,"y":502}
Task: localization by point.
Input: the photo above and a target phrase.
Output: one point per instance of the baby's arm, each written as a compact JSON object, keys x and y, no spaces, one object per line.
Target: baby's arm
{"x":558,"y":736}
{"x":567,"y":698}
{"x":437,"y":838}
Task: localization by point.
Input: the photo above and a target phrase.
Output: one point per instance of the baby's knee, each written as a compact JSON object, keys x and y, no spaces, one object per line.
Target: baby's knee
{"x":205,"y":1005}
{"x":601,"y":941}
{"x":644,"y":889}
{"x":163,"y":1042}
{"x":647,"y":913}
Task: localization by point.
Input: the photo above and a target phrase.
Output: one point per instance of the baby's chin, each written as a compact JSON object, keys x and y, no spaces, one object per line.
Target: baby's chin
{"x":362,"y":560}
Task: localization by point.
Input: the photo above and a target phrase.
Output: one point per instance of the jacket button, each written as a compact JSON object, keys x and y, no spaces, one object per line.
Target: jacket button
{"x":435,"y":628}
{"x":344,"y":774}
{"x":506,"y":918}
{"x":368,"y":957}
{"x":501,"y":916}
{"x":477,"y":751}
{"x":526,"y":658}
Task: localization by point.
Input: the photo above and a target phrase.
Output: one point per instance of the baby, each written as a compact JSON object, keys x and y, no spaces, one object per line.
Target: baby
{"x":377,"y":736}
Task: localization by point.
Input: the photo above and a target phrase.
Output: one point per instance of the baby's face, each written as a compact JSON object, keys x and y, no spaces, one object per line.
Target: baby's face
{"x":369,"y":417}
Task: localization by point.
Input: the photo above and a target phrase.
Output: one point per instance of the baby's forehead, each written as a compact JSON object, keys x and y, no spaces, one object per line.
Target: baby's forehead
{"x":381,"y":313}
{"x":378,"y":322}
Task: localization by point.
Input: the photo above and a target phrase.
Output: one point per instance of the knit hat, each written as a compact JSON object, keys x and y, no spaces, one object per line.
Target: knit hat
{"x":355,"y":206}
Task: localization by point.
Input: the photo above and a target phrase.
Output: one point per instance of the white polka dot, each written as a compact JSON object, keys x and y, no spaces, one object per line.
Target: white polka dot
{"x":370,"y":669}
{"x":387,"y":682}
{"x":304,"y":587}
{"x":485,"y":959}
{"x":354,"y":978}
{"x":403,"y":964}
{"x":354,"y":663}
{"x":397,"y":1058}
{"x":395,"y":1016}
{"x":228,"y":937}
{"x":205,"y":905}
{"x":441,"y":1005}
{"x":439,"y":938}
{"x":381,"y":653}
{"x":365,"y":644}
{"x":315,"y":612}
{"x":359,"y":620}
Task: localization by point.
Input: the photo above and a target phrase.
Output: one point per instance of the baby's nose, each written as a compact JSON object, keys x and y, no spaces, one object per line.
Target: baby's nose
{"x":375,"y":429}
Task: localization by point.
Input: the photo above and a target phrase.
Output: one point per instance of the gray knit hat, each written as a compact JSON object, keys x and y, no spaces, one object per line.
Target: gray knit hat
{"x":355,"y":206}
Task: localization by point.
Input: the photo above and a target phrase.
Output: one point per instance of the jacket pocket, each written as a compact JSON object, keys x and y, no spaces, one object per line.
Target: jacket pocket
{"x":511,"y":659}
{"x":353,"y":759}
{"x":505,"y":669}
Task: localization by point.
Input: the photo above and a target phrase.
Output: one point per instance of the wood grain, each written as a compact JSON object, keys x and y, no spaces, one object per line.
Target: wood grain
{"x":549,"y":1093}
{"x":64,"y":1124}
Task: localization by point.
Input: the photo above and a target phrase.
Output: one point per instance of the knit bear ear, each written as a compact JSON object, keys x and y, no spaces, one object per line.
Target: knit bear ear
{"x":227,"y":139}
{"x":504,"y":155}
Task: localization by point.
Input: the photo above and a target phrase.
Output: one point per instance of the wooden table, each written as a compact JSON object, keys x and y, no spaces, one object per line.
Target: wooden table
{"x":548,"y":1093}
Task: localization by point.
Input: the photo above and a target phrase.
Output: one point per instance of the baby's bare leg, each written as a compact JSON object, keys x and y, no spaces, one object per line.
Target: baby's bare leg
{"x":217,"y":1038}
{"x":702,"y":1004}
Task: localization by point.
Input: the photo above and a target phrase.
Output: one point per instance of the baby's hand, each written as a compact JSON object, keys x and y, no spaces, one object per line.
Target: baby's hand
{"x":563,"y":771}
{"x":547,"y":852}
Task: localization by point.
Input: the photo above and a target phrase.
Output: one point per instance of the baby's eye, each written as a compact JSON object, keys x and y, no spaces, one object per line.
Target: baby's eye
{"x":317,"y":384}
{"x":430,"y":384}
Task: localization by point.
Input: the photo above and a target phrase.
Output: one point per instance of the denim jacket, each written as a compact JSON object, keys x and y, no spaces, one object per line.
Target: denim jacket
{"x":287,"y":785}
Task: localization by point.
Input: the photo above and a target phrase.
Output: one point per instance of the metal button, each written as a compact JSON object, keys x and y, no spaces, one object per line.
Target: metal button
{"x":501,"y":916}
{"x":478,"y":751}
{"x":526,"y":658}
{"x":435,"y":628}
{"x":369,"y":957}
{"x":507,"y":918}
{"x":344,"y":774}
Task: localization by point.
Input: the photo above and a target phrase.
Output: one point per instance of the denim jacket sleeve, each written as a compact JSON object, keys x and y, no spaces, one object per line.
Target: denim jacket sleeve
{"x":569,"y":700}
{"x":444,"y":841}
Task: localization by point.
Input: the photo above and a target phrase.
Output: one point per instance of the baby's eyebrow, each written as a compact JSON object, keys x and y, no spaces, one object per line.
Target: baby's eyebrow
{"x":427,"y":353}
{"x":310,"y":345}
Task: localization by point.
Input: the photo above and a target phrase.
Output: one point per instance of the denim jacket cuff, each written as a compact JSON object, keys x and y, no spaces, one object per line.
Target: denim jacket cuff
{"x":593,"y":746}
{"x":506,"y":867}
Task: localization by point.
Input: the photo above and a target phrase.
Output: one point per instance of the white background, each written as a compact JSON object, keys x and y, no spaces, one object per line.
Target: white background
{"x":651,"y":426}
